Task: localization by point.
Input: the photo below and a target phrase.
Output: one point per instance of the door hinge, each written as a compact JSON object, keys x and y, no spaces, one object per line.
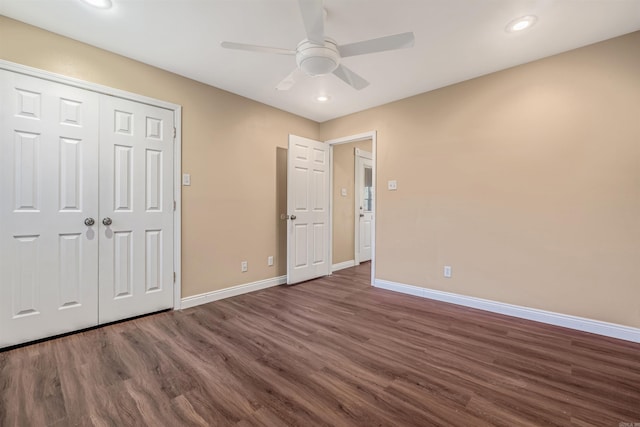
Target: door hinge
{"x":174,"y":205}
{"x":174,"y":277}
{"x":175,"y":132}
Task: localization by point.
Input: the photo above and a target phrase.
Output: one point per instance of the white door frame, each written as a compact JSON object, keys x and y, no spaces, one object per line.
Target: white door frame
{"x":177,"y":148}
{"x":372,"y":135}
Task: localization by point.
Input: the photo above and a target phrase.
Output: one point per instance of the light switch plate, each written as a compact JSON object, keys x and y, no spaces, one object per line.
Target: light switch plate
{"x":392,"y":185}
{"x":186,"y":179}
{"x":343,"y":192}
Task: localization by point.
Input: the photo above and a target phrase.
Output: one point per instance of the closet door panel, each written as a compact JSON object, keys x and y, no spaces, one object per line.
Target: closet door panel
{"x":49,"y":187}
{"x":136,"y":205}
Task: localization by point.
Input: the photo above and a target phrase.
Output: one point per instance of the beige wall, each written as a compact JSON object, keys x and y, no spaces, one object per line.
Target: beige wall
{"x":229,"y":146}
{"x":526,"y":182}
{"x":344,"y":206}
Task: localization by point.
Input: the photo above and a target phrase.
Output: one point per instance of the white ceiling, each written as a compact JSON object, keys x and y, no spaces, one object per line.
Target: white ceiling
{"x":456,"y":40}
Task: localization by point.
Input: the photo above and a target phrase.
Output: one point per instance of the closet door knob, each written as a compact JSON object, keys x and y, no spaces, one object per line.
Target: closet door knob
{"x":107,"y":221}
{"x":89,"y":222}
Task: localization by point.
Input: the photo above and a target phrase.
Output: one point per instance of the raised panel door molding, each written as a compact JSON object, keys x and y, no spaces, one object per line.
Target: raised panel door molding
{"x":49,"y":174}
{"x":308,"y":209}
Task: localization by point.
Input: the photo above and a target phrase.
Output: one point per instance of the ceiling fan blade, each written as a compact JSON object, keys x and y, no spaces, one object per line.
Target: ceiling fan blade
{"x":255,"y":48}
{"x":350,"y":78}
{"x":313,"y":18}
{"x":397,"y":41}
{"x":288,"y":82}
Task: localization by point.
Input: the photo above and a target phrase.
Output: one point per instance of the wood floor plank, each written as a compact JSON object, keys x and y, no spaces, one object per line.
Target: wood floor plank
{"x":329,"y":352}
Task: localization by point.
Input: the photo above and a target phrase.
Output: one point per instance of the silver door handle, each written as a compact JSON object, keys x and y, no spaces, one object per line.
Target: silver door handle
{"x":361,"y":215}
{"x":107,"y":221}
{"x":89,"y":222}
{"x":293,"y":217}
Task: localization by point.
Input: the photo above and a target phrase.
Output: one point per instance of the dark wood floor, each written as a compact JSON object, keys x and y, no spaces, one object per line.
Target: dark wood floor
{"x":332,"y":352}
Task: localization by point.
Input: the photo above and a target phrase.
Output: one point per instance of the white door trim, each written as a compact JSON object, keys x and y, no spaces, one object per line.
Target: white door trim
{"x":177,"y":163}
{"x":372,"y":135}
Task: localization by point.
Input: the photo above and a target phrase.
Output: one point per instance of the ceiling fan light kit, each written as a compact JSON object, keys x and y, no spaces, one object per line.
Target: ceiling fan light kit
{"x":318,"y":55}
{"x":317,"y":60}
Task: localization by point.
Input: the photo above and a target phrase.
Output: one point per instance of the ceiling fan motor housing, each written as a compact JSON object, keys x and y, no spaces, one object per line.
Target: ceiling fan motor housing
{"x":316,"y":60}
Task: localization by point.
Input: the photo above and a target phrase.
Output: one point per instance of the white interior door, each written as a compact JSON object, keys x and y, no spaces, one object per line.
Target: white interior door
{"x":308,"y":209}
{"x":136,"y":209}
{"x":48,"y":187}
{"x":364,"y":204}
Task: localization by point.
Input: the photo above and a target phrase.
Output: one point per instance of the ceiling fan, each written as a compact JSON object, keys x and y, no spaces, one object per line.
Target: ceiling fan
{"x":318,"y":55}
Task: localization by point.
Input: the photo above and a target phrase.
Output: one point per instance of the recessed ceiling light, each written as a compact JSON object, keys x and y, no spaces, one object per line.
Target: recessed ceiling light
{"x":100,"y":4}
{"x":322,"y":98}
{"x":521,"y":23}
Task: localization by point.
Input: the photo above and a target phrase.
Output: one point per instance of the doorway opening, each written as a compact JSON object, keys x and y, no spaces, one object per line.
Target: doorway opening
{"x":353,"y":201}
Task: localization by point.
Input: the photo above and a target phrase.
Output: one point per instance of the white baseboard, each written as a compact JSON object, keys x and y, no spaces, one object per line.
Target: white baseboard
{"x":233,"y":291}
{"x":343,"y":265}
{"x":573,"y":322}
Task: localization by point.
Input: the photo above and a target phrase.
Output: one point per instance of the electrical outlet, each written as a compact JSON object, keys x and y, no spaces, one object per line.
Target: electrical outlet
{"x":392,"y":185}
{"x":270,"y":261}
{"x":244,"y":266}
{"x":447,"y":271}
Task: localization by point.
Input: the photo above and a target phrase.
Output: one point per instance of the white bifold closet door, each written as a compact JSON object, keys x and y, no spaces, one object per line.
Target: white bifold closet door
{"x":71,"y":162}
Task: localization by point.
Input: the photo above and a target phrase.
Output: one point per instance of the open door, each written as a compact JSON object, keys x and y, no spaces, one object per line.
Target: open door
{"x":364,"y":205}
{"x":307,"y":209}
